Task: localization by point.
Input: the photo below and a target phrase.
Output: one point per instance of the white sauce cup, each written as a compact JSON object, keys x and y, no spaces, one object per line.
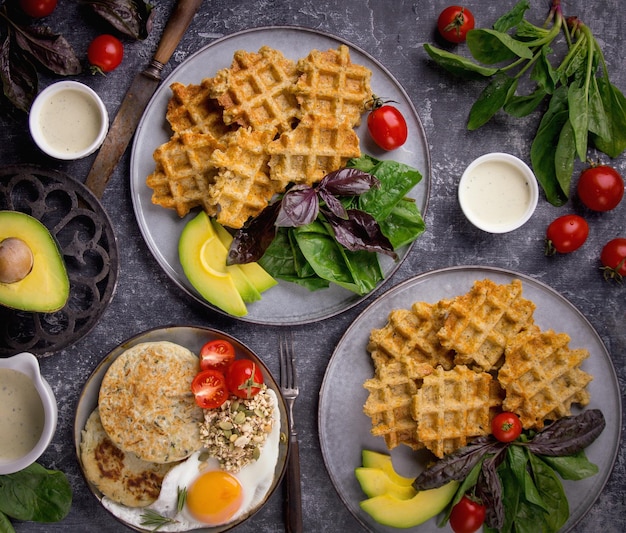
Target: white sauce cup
{"x":498,"y":192}
{"x":68,"y":120}
{"x":26,"y":363}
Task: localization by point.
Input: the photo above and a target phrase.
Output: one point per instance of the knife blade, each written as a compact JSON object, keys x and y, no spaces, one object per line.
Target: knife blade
{"x":137,"y":97}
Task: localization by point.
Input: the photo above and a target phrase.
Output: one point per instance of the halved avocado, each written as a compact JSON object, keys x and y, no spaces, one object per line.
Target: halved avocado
{"x":33,"y":276}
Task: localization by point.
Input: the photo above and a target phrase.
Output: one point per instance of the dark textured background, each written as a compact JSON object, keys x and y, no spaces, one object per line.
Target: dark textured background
{"x":393,"y":32}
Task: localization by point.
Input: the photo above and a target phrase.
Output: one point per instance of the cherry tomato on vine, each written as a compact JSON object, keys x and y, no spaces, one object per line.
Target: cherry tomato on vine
{"x":38,"y":8}
{"x":600,"y":188}
{"x":467,"y":516}
{"x":454,"y":22}
{"x":506,"y":426}
{"x":613,"y":258}
{"x":217,"y":354}
{"x":209,"y":389}
{"x":566,"y":234}
{"x":105,"y":53}
{"x":244,"y":378}
{"x":386,"y":125}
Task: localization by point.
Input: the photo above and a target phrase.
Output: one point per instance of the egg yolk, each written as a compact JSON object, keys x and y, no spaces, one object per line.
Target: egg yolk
{"x":214,"y":497}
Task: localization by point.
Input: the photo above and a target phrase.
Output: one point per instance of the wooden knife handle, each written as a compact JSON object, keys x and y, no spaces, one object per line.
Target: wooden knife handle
{"x":175,"y":28}
{"x":293,"y":492}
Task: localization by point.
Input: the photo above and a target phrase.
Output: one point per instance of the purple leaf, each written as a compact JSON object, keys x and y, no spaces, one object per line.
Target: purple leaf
{"x":333,"y":204}
{"x":348,"y":182}
{"x":251,"y":241}
{"x":299,"y":207}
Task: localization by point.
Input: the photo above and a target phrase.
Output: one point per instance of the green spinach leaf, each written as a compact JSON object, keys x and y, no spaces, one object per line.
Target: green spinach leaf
{"x":491,"y":100}
{"x":458,"y":65}
{"x":490,"y":46}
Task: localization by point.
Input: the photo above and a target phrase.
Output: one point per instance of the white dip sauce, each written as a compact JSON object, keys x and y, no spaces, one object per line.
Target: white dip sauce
{"x":497,"y":193}
{"x":70,"y":121}
{"x":21,"y":412}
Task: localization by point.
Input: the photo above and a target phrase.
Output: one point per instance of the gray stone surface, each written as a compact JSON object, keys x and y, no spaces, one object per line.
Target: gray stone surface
{"x":393,"y":32}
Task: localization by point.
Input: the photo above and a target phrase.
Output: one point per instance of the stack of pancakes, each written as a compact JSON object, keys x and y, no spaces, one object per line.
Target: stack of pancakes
{"x":257,"y":126}
{"x":444,"y":370}
{"x":145,"y":423}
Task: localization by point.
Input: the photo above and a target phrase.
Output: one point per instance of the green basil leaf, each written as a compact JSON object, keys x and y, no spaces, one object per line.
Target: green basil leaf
{"x":572,"y":467}
{"x":491,"y":47}
{"x":614,"y":104}
{"x":458,"y":65}
{"x":512,"y":18}
{"x":491,"y":100}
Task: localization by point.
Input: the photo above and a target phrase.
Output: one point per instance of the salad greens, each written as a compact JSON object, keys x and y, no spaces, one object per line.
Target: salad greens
{"x":519,"y":481}
{"x":34,"y":493}
{"x":332,"y":232}
{"x":582,"y":104}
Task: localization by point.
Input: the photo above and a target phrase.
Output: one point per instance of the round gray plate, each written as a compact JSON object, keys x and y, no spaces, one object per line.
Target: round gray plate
{"x":287,"y":303}
{"x":345,"y":430}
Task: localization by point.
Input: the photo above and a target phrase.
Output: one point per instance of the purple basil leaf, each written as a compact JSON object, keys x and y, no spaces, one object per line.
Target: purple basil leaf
{"x":48,"y":48}
{"x":299,"y":207}
{"x":251,"y":241}
{"x":334,"y":204}
{"x":19,"y":77}
{"x":360,"y":232}
{"x":348,"y":182}
{"x":489,"y":490}
{"x":130,"y":17}
{"x":568,"y":435}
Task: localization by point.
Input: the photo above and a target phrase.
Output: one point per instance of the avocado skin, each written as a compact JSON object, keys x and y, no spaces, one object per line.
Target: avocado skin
{"x":47,"y":287}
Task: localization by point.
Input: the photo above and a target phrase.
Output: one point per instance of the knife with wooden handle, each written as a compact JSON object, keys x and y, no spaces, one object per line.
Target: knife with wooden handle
{"x":137,"y":97}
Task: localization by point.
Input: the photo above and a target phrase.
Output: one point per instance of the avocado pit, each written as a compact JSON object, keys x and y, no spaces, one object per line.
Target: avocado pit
{"x":16,"y":260}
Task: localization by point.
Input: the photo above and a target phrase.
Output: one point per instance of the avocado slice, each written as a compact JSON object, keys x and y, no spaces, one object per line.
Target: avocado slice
{"x":375,"y":482}
{"x":33,"y":276}
{"x":382,"y":461}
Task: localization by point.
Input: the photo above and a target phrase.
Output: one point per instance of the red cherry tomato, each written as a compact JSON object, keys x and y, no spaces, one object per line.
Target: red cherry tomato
{"x":38,"y":8}
{"x":613,"y":258}
{"x":105,"y":53}
{"x":209,"y":389}
{"x":467,"y":516}
{"x":600,"y":188}
{"x":506,"y":426}
{"x":454,"y":22}
{"x":566,"y":234}
{"x":386,"y":125}
{"x":244,"y":378}
{"x":217,"y":354}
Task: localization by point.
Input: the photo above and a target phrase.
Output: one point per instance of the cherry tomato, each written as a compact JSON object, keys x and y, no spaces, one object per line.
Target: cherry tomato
{"x":566,"y":234}
{"x":613,"y":258}
{"x":386,"y":125}
{"x":38,"y":8}
{"x":209,"y":389}
{"x":506,"y":426}
{"x":600,"y":188}
{"x":467,"y":516}
{"x":454,"y":22}
{"x":244,"y":378}
{"x":217,"y":354}
{"x":105,"y":53}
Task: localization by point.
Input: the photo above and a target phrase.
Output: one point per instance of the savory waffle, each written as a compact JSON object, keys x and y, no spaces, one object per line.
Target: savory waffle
{"x":480,"y":323}
{"x":542,"y":377}
{"x":331,"y":85}
{"x":256,"y":91}
{"x":454,"y":406}
{"x":317,"y":146}
{"x":183,"y":177}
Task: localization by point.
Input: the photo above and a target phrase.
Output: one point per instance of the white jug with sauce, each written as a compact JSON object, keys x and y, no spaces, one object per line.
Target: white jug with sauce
{"x":28,"y":411}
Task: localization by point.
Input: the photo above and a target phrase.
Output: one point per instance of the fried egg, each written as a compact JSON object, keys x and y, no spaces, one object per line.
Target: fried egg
{"x":214,"y":496}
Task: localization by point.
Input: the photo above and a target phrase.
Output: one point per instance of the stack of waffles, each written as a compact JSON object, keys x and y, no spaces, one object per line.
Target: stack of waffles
{"x":442,"y":371}
{"x":257,"y":126}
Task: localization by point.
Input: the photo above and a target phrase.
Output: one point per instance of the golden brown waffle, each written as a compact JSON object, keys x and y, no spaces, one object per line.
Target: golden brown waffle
{"x":316,"y":147}
{"x":454,"y":406}
{"x":242,"y":187}
{"x":542,"y":377}
{"x":330,"y":84}
{"x":183,"y":176}
{"x":480,"y":323}
{"x":192,"y":109}
{"x":257,"y":90}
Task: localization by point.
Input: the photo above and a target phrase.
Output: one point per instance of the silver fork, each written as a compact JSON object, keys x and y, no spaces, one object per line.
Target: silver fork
{"x":289,"y":387}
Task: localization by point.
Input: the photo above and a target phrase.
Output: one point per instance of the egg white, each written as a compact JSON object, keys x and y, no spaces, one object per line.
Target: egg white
{"x":255,"y":478}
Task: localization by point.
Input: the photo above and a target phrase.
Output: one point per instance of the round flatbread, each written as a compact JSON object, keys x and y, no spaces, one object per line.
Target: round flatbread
{"x":146,"y":404}
{"x":121,"y":476}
